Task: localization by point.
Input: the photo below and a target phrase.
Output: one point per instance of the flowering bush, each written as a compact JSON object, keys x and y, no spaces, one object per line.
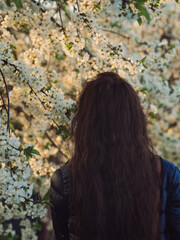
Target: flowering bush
{"x":48,"y":49}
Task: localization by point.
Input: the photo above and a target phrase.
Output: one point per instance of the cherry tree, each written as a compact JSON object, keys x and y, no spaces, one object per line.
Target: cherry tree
{"x":48,"y":49}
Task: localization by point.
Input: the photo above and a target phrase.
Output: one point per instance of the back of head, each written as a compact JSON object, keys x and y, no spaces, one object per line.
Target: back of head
{"x":114,"y":175}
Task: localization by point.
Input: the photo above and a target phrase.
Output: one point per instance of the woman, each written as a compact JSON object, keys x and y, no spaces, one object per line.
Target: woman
{"x":115,"y":187}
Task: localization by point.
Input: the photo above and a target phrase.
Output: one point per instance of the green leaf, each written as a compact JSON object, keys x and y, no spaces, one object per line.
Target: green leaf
{"x":58,"y":132}
{"x":152,"y":115}
{"x":144,"y":90}
{"x":48,"y":87}
{"x":69,"y":45}
{"x":37,"y":225}
{"x":76,"y":70}
{"x":115,"y":24}
{"x":143,"y":11}
{"x":63,"y":132}
{"x":15,"y":237}
{"x":25,"y":28}
{"x":46,"y":199}
{"x":46,"y":196}
{"x":171,"y":46}
{"x":160,"y":105}
{"x":36,"y":152}
{"x":47,"y":146}
{"x":97,"y":6}
{"x":143,"y":59}
{"x":141,"y":1}
{"x":18,"y":3}
{"x":49,"y":203}
{"x":29,"y":151}
{"x":17,"y":124}
{"x":9,"y":236}
{"x":1,"y":90}
{"x":58,"y":56}
{"x":139,"y":20}
{"x":27,"y":157}
{"x":8,"y":3}
{"x":5,"y":51}
{"x":11,"y":125}
{"x":12,"y":46}
{"x":73,"y":107}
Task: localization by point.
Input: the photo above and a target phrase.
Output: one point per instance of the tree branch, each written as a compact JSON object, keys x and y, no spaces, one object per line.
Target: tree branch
{"x":7,"y":94}
{"x":77,"y":3}
{"x":117,"y":54}
{"x":15,"y":67}
{"x":54,"y":145}
{"x":4,"y":105}
{"x":43,"y":10}
{"x":110,"y":31}
{"x":60,"y":16}
{"x":42,"y":103}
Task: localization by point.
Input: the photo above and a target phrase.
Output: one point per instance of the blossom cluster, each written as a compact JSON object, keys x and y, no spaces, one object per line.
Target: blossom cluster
{"x":15,"y":188}
{"x":48,"y":50}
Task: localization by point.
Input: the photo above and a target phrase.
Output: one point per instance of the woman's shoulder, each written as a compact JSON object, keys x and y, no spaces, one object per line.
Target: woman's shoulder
{"x":60,"y":172}
{"x":59,"y":179}
{"x":171,"y":174}
{"x":168,"y":167}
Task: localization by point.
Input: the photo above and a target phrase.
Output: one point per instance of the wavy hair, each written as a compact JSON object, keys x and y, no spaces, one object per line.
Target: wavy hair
{"x":114,"y":173}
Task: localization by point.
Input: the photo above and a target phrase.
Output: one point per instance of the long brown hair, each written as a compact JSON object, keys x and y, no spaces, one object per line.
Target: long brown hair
{"x":114,"y":176}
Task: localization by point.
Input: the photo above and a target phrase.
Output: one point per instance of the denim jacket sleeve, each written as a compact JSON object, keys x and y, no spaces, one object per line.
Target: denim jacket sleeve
{"x":59,"y":211}
{"x":173,"y":206}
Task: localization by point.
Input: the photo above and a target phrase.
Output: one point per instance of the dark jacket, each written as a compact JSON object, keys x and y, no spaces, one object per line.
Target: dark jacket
{"x":170,"y":207}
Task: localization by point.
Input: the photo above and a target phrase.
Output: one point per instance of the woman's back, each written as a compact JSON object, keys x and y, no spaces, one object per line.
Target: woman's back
{"x":114,"y":175}
{"x":170,"y":203}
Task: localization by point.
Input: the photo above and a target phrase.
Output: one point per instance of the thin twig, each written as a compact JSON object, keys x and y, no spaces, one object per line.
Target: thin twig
{"x":7,"y":94}
{"x":54,"y":144}
{"x":77,"y":3}
{"x":15,"y":148}
{"x":11,"y":64}
{"x":63,"y":3}
{"x":77,"y":30}
{"x":106,"y":30}
{"x":4,"y":105}
{"x":60,"y":16}
{"x":43,"y":10}
{"x":88,"y":51}
{"x":125,"y":59}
